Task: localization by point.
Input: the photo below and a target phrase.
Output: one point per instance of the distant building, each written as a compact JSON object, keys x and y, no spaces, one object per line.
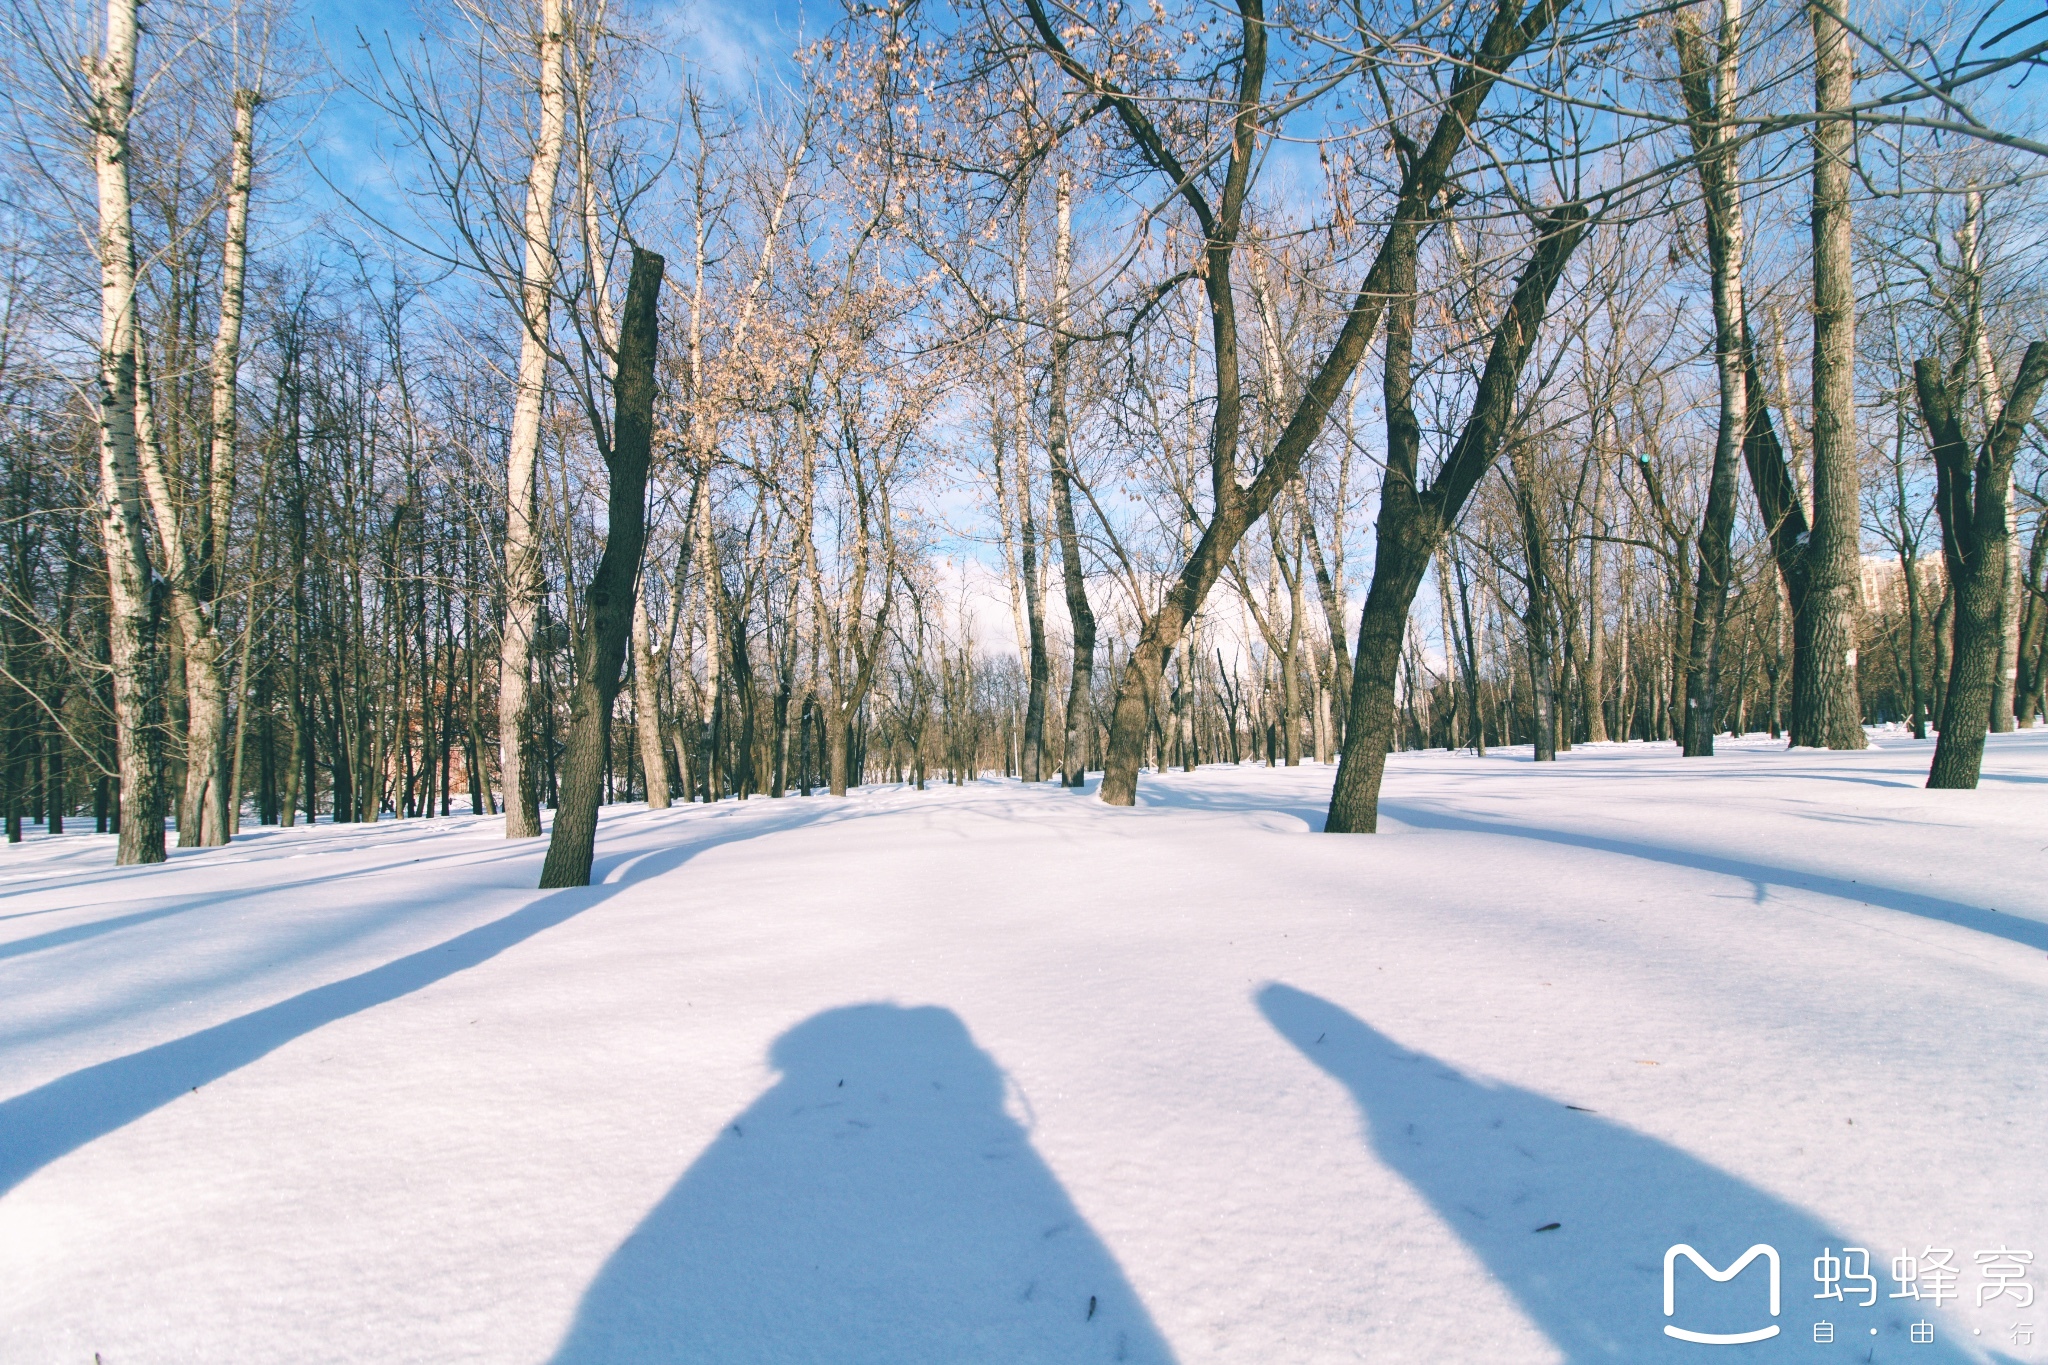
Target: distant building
{"x":1884,"y":583}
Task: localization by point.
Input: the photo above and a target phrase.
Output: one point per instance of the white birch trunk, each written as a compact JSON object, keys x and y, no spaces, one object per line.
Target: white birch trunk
{"x":131,"y":617}
{"x":1991,"y":394}
{"x":522,"y":457}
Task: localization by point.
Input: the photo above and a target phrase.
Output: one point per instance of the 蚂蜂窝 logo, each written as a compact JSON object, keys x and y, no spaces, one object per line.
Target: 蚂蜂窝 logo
{"x":1769,"y":1253}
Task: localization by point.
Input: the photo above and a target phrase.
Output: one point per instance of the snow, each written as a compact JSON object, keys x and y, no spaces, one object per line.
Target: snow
{"x":1001,"y":1074}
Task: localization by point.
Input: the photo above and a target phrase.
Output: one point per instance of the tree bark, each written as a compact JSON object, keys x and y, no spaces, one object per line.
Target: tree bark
{"x":1038,"y":664}
{"x":134,"y":597}
{"x":1593,"y":675}
{"x":647,"y":708}
{"x":1777,"y":498}
{"x":1988,"y":392}
{"x":212,"y":798}
{"x":1536,"y":620}
{"x":203,"y":814}
{"x":1909,"y":570}
{"x":610,"y":601}
{"x":1827,"y":711}
{"x":1711,"y":114}
{"x":1080,"y":615}
{"x":522,"y":458}
{"x":1974,"y":533}
{"x":1413,"y":520}
{"x":2028,"y":657}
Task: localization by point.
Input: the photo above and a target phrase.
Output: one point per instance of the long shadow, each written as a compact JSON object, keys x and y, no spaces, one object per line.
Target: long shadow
{"x":1309,"y":810}
{"x":876,"y":1205}
{"x":181,"y":903}
{"x":57,"y":938}
{"x":39,"y":1126}
{"x":2019,"y":929}
{"x":1573,"y":1214}
{"x":145,"y":875}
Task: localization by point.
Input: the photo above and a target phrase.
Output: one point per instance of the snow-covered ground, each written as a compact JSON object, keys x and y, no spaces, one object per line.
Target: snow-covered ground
{"x":997,"y":1074}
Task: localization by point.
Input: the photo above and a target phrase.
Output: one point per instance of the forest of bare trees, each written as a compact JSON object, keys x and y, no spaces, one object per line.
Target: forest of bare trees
{"x":544,"y":408}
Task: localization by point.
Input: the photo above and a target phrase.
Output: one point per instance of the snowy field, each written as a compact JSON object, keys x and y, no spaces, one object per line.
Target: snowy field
{"x":997,"y":1074}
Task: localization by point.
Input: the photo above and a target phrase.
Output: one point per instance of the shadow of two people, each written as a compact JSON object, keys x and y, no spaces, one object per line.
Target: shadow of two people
{"x":878,"y":1204}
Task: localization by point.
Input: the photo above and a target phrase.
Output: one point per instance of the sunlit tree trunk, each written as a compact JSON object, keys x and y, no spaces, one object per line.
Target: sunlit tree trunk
{"x":1827,"y":711}
{"x":1536,"y":619}
{"x":133,"y":612}
{"x":1712,"y":111}
{"x":1970,"y":498}
{"x":1992,"y":399}
{"x":522,"y":456}
{"x":1593,"y":674}
{"x":612,"y":598}
{"x":205,"y":692}
{"x":1038,"y":666}
{"x":1081,"y":681}
{"x":647,"y":708}
{"x":1413,"y":519}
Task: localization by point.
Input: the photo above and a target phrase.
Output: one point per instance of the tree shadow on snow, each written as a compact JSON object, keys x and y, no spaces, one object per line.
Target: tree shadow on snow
{"x":1312,"y":811}
{"x":876,"y":1205}
{"x":2015,"y":928}
{"x":1501,"y":1165}
{"x":77,"y":933}
{"x":2018,"y":929}
{"x":39,"y":1126}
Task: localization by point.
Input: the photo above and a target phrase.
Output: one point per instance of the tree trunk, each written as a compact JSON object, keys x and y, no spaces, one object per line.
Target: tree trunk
{"x":647,"y":708}
{"x":220,"y":801}
{"x":202,"y":815}
{"x":1038,"y":664}
{"x":2005,"y":680}
{"x":1974,"y":531}
{"x":1909,"y":570}
{"x":2006,"y":675}
{"x":1827,"y":711}
{"x":2028,"y":657}
{"x":1290,"y":670}
{"x":1330,"y":595}
{"x":133,"y":596}
{"x":1473,"y":717}
{"x":522,"y":457}
{"x":709,"y":710}
{"x":1081,"y":616}
{"x":1711,"y":110}
{"x":1236,"y":509}
{"x":1593,"y":673}
{"x":613,"y":593}
{"x":837,"y":735}
{"x":1412,"y":521}
{"x":1536,"y":620}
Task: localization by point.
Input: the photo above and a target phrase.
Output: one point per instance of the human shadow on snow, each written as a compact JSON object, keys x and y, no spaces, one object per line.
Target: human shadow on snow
{"x":1572,"y":1214}
{"x":877,"y":1204}
{"x":41,"y":1125}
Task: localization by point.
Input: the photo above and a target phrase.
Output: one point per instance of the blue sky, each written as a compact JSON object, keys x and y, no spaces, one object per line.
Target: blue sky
{"x":728,"y":40}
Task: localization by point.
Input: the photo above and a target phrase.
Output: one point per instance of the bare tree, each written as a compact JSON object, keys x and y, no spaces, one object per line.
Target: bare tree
{"x":1827,"y":711}
{"x":609,"y":602}
{"x":1971,"y":501}
{"x":134,"y":594}
{"x":1710,"y":108}
{"x":522,"y":456}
